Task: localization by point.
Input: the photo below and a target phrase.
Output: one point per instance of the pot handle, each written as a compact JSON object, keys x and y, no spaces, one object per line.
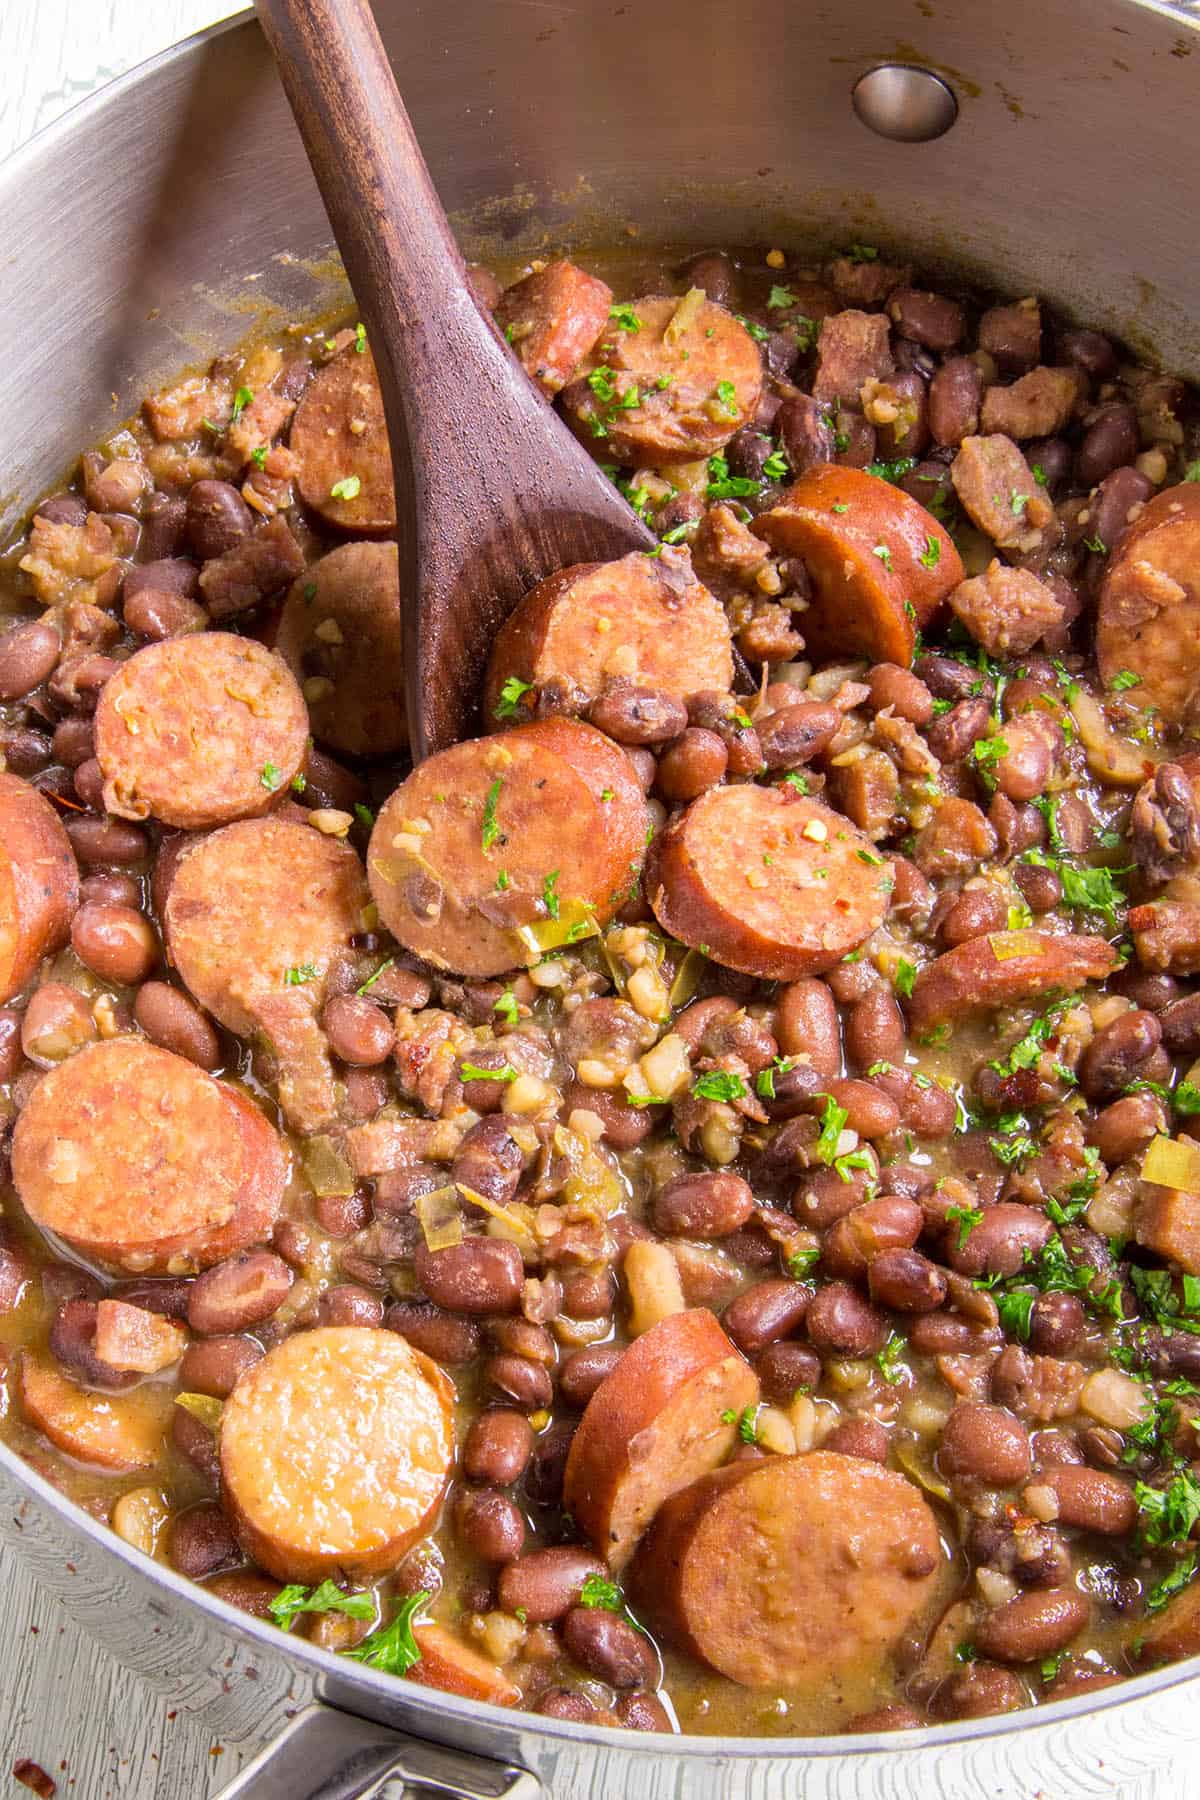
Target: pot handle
{"x":326,"y":1754}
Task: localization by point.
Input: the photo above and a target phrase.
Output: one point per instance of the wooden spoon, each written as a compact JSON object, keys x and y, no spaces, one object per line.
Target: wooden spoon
{"x":492,"y":491}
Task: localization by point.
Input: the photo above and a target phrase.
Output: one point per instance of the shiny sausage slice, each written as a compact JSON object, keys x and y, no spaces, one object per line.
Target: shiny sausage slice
{"x":1149,"y":617}
{"x":340,"y":634}
{"x":654,"y":1425}
{"x":339,"y":437}
{"x":767,"y":882}
{"x":785,"y":1572}
{"x":496,"y":850}
{"x":336,"y":1450}
{"x":121,"y":1436}
{"x":678,"y":384}
{"x":136,"y":1157}
{"x":881,"y":565}
{"x":552,"y":319}
{"x":452,"y":1665}
{"x":196,"y":731}
{"x":254,"y":916}
{"x":39,"y":883}
{"x":645,"y":619}
{"x":1005,"y":968}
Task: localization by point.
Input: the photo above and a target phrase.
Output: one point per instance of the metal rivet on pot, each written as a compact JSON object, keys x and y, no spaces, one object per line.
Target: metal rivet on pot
{"x":908,"y":104}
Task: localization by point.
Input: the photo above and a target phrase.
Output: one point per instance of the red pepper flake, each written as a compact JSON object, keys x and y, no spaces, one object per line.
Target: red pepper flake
{"x":32,"y":1775}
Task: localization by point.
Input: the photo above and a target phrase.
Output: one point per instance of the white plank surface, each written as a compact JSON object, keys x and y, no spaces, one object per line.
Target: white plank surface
{"x":97,"y":1729}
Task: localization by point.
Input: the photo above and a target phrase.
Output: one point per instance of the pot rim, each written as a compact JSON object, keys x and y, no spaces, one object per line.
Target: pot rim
{"x":448,"y":1709}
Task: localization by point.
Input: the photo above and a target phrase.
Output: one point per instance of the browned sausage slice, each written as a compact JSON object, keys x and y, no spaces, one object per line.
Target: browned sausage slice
{"x":644,"y":619}
{"x":335,"y":1452}
{"x":654,"y":1425}
{"x":452,"y":1665}
{"x":1149,"y":617}
{"x":1174,"y":1634}
{"x":785,"y":1572}
{"x":340,"y":633}
{"x":1005,"y":968}
{"x":141,"y":1160}
{"x":881,"y":565}
{"x":339,"y":436}
{"x":122,"y":1436}
{"x":496,"y":850}
{"x":670,"y":378}
{"x":199,"y":730}
{"x":39,"y":883}
{"x":552,"y":319}
{"x":767,"y":882}
{"x":255,"y":914}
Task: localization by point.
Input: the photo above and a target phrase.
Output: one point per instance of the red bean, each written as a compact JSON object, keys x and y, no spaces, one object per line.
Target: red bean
{"x":349,"y":1304}
{"x":114,"y":942}
{"x":793,"y":735}
{"x":870,"y":1111}
{"x":806,"y":1024}
{"x":986,"y":1443}
{"x":1125,"y":1127}
{"x":58,"y":1021}
{"x":543,"y":1584}
{"x":358,"y":1031}
{"x":839,"y":1319}
{"x":1092,"y":1499}
{"x":971,"y":914}
{"x":196,"y":1442}
{"x":1056,"y":1323}
{"x":29,"y":655}
{"x":490,"y":1525}
{"x":435,"y":1332}
{"x":709,"y":1204}
{"x":111,"y":890}
{"x":201,"y":1541}
{"x":520,"y":1380}
{"x":999,"y":1243}
{"x":216,"y":1364}
{"x":979,"y":1691}
{"x":642,"y":1712}
{"x":955,"y":394}
{"x":863,"y":1437}
{"x":105,"y":843}
{"x":172,"y":1020}
{"x":1117,"y":1052}
{"x":10,"y":1042}
{"x":73,"y":1343}
{"x":906,"y":1281}
{"x":784,"y":1369}
{"x":1033,"y":1625}
{"x":217,"y":518}
{"x":157,"y":616}
{"x":766,"y":1312}
{"x":589,"y":1293}
{"x":875,"y":1030}
{"x":638,"y":715}
{"x":624,"y":1126}
{"x":240,"y":1292}
{"x":89,"y":785}
{"x":695,"y":762}
{"x":498,"y":1447}
{"x":888,"y":1222}
{"x":609,"y":1648}
{"x":583,"y":1371}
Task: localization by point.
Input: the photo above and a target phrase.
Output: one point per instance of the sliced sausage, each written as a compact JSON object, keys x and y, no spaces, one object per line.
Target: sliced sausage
{"x":1149,"y":616}
{"x":199,"y":730}
{"x":1174,"y":1633}
{"x":254,"y":917}
{"x":340,"y":634}
{"x":498,"y":849}
{"x":339,"y":438}
{"x":455,"y":1667}
{"x":880,"y":564}
{"x":645,"y":619}
{"x":552,"y":319}
{"x":781,"y":1573}
{"x":679,"y":385}
{"x":666,"y":1415}
{"x":336,"y":1451}
{"x":1005,"y":968}
{"x":767,"y":882}
{"x":39,"y":883}
{"x":119,"y":1434}
{"x":141,"y":1160}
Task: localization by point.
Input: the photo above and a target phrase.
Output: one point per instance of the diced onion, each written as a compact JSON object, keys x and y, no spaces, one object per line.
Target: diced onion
{"x":203,"y":1407}
{"x":1008,"y":944}
{"x":325,"y":1167}
{"x":684,"y":315}
{"x":439,"y":1217}
{"x":1173,"y":1163}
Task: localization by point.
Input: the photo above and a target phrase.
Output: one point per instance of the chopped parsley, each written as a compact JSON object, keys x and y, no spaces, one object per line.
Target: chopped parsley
{"x":393,"y":1648}
{"x":1124,"y":678}
{"x":727,"y":396}
{"x":491,"y":829}
{"x":511,"y":694}
{"x":833,"y":1123}
{"x":764,"y":1081}
{"x":794,"y":779}
{"x":966,"y":1218}
{"x":861,"y":253}
{"x":550,"y":899}
{"x":1016,"y":1311}
{"x":888,"y":1359}
{"x":241,"y":401}
{"x":270,"y":776}
{"x":258,"y":456}
{"x":469,"y":1071}
{"x":905,"y":975}
{"x":1025,"y":1053}
{"x":1167,"y":1515}
{"x":605,"y":1595}
{"x":1096,"y":545}
{"x":625,"y":316}
{"x":506,"y":1007}
{"x":360,"y":338}
{"x":1090,"y":889}
{"x":1186,"y":1099}
{"x":369,"y":983}
{"x":800,"y":1263}
{"x":724,"y":486}
{"x":884,"y":555}
{"x":299,"y":973}
{"x":364,"y":815}
{"x":777,"y":466}
{"x":1181,"y":1575}
{"x":295,"y":1599}
{"x":931,"y":556}
{"x":746,"y":1421}
{"x":892,"y":471}
{"x":348,"y":488}
{"x":719,"y":1084}
{"x":780,"y":298}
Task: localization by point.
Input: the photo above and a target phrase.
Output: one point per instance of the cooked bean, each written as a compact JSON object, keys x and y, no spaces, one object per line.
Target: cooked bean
{"x":979,"y":1691}
{"x":215,"y":1365}
{"x":1092,"y":1499}
{"x":822,"y":1198}
{"x":544,"y":1477}
{"x":104,"y":843}
{"x":806,"y":1024}
{"x":1000,"y":1242}
{"x":1033,"y":1625}
{"x":111,"y":889}
{"x":1180,"y":1023}
{"x":1056,"y":1324}
{"x":358,"y":1031}
{"x":696,"y":761}
{"x":564,"y":1703}
{"x":971,"y":914}
{"x":196,"y":1442}
{"x":543,"y":1584}
{"x":929,"y":319}
{"x":863,"y":1437}
{"x":583,"y":1371}
{"x":1041,"y":889}
{"x":840,"y":1319}
{"x":902,"y":691}
{"x":709,"y":1204}
{"x":638,"y":715}
{"x":240,"y":1292}
{"x":875,"y":1030}
{"x":518,"y":1379}
{"x":1117,"y":1052}
{"x":589,"y":1293}
{"x":952,"y":735}
{"x":498,"y":1447}
{"x":642,"y":1712}
{"x":1125,"y":1127}
{"x":349,"y":1304}
{"x":366,"y":1091}
{"x":609,"y":1648}
{"x":955,"y":394}
{"x":792,"y":736}
{"x":63,"y":509}
{"x":869,"y":1111}
{"x":489,"y":1160}
{"x":480,"y":1275}
{"x":201,"y":1541}
{"x":888,"y":1222}
{"x":490,"y":1525}
{"x":57,"y":1022}
{"x":786,"y":1368}
{"x":114,"y":942}
{"x":624,"y":1126}
{"x":73,"y":1343}
{"x":434,"y":1331}
{"x":986,"y":1443}
{"x":906,"y":1281}
{"x":1109,"y":440}
{"x":29,"y":654}
{"x":766,"y":1312}
{"x":89,"y":785}
{"x":217,"y":519}
{"x":172,"y":1020}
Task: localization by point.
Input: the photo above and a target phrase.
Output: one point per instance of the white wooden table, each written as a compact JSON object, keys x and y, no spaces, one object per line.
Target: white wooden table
{"x":97,"y":1729}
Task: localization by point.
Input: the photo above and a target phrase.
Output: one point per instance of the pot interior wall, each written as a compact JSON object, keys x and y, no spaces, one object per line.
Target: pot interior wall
{"x":158,"y":223}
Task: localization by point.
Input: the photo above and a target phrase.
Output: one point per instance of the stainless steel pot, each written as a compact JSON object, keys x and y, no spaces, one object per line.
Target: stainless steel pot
{"x":154,"y":224}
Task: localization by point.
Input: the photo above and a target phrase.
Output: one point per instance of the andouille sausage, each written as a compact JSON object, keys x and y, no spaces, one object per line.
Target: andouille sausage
{"x":141,"y":1160}
{"x":645,"y":619}
{"x":785,"y":1571}
{"x":767,"y":881}
{"x":666,"y":1415}
{"x":339,"y":437}
{"x":122,"y":1435}
{"x":336,"y":1450}
{"x":447,"y":1662}
{"x":199,"y":730}
{"x":340,"y":634}
{"x":1149,"y":616}
{"x":39,"y":883}
{"x":1005,"y":968}
{"x":497,"y":849}
{"x":552,"y":319}
{"x":677,"y":383}
{"x":880,"y":564}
